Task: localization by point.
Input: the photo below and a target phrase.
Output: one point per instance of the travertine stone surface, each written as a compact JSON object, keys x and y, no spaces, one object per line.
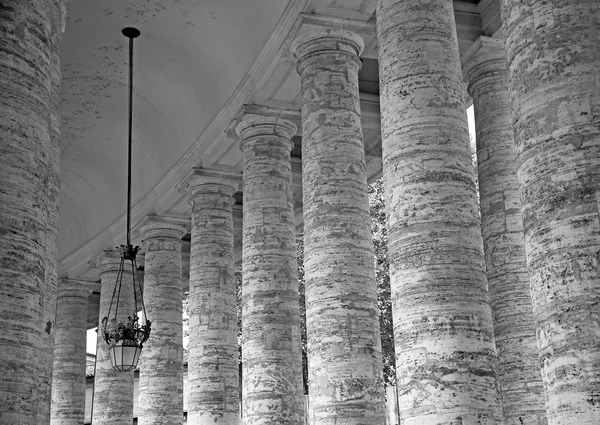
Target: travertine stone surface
{"x":53,"y":200}
{"x":272,"y":386}
{"x":25,"y":135}
{"x":519,"y":373}
{"x":554,"y":61}
{"x":213,"y":349}
{"x":445,"y":356}
{"x":113,"y":390}
{"x":68,"y":375}
{"x":161,"y":362}
{"x":344,"y":346}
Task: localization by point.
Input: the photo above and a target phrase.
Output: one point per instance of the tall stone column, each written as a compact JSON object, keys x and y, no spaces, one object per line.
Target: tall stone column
{"x":213,"y":362}
{"x":161,"y":362}
{"x":344,"y":346}
{"x":68,"y":374}
{"x":27,"y":303}
{"x":554,"y":61}
{"x":113,"y":390}
{"x":272,"y":387}
{"x":445,"y":354}
{"x":503,"y":243}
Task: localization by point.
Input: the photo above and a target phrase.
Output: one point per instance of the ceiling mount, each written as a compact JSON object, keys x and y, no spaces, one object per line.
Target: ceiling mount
{"x":131,"y":32}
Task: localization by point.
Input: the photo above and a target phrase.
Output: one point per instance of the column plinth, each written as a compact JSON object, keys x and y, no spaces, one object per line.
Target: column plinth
{"x":213,"y":365}
{"x":271,"y":347}
{"x":68,"y":375}
{"x":504,"y":246}
{"x":161,"y":361}
{"x":344,"y":343}
{"x":553,"y":62}
{"x":113,"y":390}
{"x":443,"y":333}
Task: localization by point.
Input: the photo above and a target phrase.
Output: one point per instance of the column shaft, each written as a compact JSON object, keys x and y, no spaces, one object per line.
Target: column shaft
{"x":113,"y":390}
{"x":213,"y":364}
{"x":272,"y":387}
{"x":68,"y":374}
{"x":25,"y":302}
{"x":344,"y":344}
{"x":161,"y":362}
{"x":553,"y":61}
{"x":503,"y":243}
{"x":445,"y":355}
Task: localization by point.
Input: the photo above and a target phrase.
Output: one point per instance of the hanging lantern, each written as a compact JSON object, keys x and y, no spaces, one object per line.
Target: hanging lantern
{"x":125,"y":339}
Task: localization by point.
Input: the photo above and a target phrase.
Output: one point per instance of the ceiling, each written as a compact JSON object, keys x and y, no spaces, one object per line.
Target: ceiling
{"x":199,"y":64}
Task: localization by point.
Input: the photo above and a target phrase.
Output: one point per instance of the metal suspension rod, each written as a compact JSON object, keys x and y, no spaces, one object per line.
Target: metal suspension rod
{"x":130,"y":33}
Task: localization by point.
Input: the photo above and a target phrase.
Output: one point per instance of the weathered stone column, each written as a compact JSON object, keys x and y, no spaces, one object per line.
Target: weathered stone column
{"x":503,"y":243}
{"x":161,"y":361}
{"x":113,"y":390}
{"x":554,"y":61}
{"x":212,"y":350}
{"x":68,"y":374}
{"x":344,"y":345}
{"x":27,"y":304}
{"x":272,"y":388}
{"x":445,"y":354}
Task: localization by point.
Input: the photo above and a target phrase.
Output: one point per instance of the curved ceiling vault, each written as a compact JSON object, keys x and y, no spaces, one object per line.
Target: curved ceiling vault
{"x":189,"y":60}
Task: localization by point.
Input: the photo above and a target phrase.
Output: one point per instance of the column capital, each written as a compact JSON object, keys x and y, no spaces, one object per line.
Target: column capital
{"x":211,"y":181}
{"x":108,"y":260}
{"x":164,"y":226}
{"x":77,"y":287}
{"x":483,"y":50}
{"x":253,"y":126}
{"x":326,"y":40}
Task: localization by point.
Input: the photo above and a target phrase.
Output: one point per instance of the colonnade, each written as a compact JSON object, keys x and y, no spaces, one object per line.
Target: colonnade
{"x":496,"y":303}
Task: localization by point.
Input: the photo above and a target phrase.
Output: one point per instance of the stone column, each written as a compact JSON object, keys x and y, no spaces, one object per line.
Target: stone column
{"x":25,"y":104}
{"x":68,"y":374}
{"x":272,"y":387}
{"x":554,"y":61}
{"x":503,"y":244}
{"x":161,"y":362}
{"x":213,"y":349}
{"x":113,"y":390}
{"x":445,"y":354}
{"x":344,"y":345}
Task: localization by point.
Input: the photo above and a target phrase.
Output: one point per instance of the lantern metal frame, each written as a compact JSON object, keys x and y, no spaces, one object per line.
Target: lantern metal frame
{"x":125,"y":339}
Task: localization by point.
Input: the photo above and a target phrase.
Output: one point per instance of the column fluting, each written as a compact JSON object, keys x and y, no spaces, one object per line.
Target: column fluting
{"x":519,"y":374}
{"x":445,"y":354}
{"x":553,"y":60}
{"x":344,"y":345}
{"x":272,"y":387}
{"x":113,"y":390}
{"x":68,"y":374}
{"x":25,"y":105}
{"x":213,"y":364}
{"x":161,"y":362}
